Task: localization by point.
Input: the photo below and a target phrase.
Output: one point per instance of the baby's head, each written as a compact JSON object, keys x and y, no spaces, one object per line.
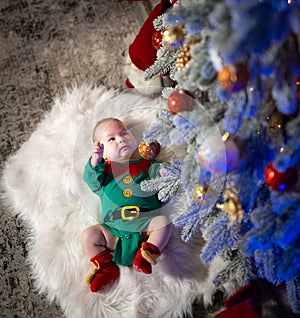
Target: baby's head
{"x":119,"y":143}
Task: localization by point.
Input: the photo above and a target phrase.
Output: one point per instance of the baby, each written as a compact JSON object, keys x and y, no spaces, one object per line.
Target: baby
{"x":132,"y":226}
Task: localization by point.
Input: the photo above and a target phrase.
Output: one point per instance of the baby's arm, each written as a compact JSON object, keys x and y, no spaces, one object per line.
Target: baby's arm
{"x":94,"y":174}
{"x":97,"y":154}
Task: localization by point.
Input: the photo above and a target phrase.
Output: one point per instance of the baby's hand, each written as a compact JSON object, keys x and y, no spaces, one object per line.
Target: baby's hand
{"x":97,"y":154}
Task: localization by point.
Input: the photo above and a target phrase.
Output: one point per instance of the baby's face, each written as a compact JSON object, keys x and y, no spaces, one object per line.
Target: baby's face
{"x":119,"y":143}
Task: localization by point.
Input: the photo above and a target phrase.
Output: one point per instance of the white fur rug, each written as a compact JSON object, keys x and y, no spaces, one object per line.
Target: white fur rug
{"x":44,"y":186}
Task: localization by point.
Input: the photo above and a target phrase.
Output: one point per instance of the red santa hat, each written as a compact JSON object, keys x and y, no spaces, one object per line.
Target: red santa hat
{"x":141,"y":52}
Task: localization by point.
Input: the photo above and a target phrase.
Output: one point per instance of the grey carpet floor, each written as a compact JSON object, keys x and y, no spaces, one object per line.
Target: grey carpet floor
{"x":45,"y":47}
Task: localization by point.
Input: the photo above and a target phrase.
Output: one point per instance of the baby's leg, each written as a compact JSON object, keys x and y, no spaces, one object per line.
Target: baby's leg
{"x":96,"y":239}
{"x":160,"y":230}
{"x":97,"y":243}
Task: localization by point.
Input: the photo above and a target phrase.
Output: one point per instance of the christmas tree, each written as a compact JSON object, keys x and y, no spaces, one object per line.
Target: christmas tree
{"x":234,"y":105}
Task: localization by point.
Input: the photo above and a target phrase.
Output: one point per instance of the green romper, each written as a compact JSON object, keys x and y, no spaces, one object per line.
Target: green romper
{"x":118,"y":186}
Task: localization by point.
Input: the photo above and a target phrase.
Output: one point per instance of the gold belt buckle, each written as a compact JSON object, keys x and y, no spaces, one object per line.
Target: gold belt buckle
{"x":134,"y":210}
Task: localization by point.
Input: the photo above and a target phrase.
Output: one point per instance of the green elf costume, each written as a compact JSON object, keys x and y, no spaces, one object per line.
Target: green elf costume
{"x":126,"y":212}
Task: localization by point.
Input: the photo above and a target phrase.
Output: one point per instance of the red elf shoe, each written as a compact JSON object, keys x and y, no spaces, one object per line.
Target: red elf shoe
{"x":104,"y":271}
{"x":145,"y":258}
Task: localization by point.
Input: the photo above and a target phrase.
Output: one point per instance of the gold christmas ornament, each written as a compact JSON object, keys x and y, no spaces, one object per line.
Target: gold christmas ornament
{"x":203,"y":194}
{"x":173,"y":37}
{"x":149,"y":150}
{"x":276,"y":122}
{"x":231,"y":205}
{"x":184,"y":56}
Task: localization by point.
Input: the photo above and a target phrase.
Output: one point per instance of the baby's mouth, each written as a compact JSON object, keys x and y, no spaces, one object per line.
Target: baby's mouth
{"x":125,"y":147}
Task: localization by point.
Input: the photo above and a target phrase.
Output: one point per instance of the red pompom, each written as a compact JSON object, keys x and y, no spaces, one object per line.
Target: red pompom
{"x":280,"y":181}
{"x":156,"y":39}
{"x":179,"y":102}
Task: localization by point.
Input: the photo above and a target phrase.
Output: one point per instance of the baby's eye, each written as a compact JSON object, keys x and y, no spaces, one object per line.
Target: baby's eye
{"x":111,"y":139}
{"x":124,"y":133}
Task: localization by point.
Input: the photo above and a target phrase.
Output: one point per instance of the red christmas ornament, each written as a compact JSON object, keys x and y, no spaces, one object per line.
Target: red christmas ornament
{"x":280,"y":181}
{"x":234,"y":78}
{"x":157,"y":39}
{"x":179,"y":102}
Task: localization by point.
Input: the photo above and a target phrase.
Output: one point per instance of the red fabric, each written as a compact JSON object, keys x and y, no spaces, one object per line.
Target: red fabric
{"x":240,"y":310}
{"x":244,"y":303}
{"x":128,"y":84}
{"x":134,"y":169}
{"x":141,"y":52}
